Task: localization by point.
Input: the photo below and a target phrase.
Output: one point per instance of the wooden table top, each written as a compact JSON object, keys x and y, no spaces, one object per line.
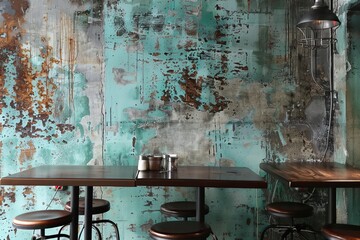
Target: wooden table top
{"x":314,"y":174}
{"x":128,"y":176}
{"x":69,"y":175}
{"x":200,"y":176}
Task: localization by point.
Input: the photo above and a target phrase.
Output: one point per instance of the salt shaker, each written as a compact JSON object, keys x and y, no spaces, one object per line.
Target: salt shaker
{"x":143,"y":163}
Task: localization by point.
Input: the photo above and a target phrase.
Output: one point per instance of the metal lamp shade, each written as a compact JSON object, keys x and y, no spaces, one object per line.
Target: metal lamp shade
{"x":319,"y":17}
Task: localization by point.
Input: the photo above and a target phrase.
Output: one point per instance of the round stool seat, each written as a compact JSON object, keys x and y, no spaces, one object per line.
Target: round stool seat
{"x":42,"y":219}
{"x":181,"y":209}
{"x":290,"y":209}
{"x":184,"y":230}
{"x":98,"y":206}
{"x":341,"y":232}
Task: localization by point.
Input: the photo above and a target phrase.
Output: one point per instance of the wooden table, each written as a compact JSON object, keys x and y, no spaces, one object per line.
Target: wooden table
{"x":201,"y":177}
{"x":75,"y":176}
{"x":315,"y":174}
{"x":121,"y":176}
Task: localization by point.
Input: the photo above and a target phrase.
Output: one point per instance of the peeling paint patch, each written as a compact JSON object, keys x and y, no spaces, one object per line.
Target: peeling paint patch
{"x":7,"y":195}
{"x":132,"y":227}
{"x":146,"y":226}
{"x":27,"y":153}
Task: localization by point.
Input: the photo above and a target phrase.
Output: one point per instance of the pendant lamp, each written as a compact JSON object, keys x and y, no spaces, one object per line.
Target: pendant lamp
{"x":319,"y":17}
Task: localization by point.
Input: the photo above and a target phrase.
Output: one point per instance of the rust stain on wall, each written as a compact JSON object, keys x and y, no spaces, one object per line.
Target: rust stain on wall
{"x":46,"y":90}
{"x":10,"y":195}
{"x":192,"y":87}
{"x":34,"y":89}
{"x":29,"y":194}
{"x":72,"y":58}
{"x":191,"y":28}
{"x":27,"y":191}
{"x":23,"y":88}
{"x":27,"y":153}
{"x":191,"y":83}
{"x":65,"y":127}
{"x":3,"y":90}
{"x":10,"y":31}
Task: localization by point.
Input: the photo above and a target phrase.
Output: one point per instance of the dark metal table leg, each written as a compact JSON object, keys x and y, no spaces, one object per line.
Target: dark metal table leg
{"x":75,"y":211}
{"x":200,"y":204}
{"x":88,"y":212}
{"x":332,"y":206}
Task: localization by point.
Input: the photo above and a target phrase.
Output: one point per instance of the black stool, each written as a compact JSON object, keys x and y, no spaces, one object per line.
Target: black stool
{"x":181,"y":230}
{"x":99,"y":206}
{"x":183,"y":209}
{"x":42,"y":220}
{"x":290,"y":210}
{"x":341,"y":232}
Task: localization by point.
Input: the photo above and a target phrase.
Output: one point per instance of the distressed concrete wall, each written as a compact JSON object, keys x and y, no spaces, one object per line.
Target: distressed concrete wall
{"x":353,"y":123}
{"x":349,"y":50}
{"x":220,"y":83}
{"x":51,"y":82}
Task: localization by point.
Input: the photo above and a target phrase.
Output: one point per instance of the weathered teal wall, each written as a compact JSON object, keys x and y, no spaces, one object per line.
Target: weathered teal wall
{"x":349,"y":50}
{"x":219,"y":82}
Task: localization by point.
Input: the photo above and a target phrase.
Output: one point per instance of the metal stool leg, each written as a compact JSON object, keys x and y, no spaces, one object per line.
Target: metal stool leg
{"x":43,"y":236}
{"x":96,"y":229}
{"x":60,"y":230}
{"x":112,"y":223}
{"x":299,"y":231}
{"x":273,"y":226}
{"x":306,"y":229}
{"x":214,"y":237}
{"x":286,"y":233}
{"x":265,"y":230}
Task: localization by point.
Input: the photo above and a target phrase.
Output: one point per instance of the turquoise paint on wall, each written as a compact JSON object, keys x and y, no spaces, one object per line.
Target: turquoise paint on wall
{"x":168,"y":91}
{"x":208,"y":80}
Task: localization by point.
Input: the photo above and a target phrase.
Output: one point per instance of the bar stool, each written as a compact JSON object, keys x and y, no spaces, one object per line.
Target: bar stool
{"x":99,"y":206}
{"x":183,"y":209}
{"x":181,"y":230}
{"x":291,"y":211}
{"x":341,"y":232}
{"x":42,"y":220}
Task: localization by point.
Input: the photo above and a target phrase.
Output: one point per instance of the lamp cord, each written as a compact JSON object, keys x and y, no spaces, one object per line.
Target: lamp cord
{"x":331,"y":85}
{"x":52,"y":199}
{"x":48,"y":205}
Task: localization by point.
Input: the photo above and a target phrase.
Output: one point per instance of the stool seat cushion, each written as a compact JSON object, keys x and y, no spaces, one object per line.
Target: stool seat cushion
{"x":181,"y":209}
{"x":184,"y":230}
{"x":98,"y":206}
{"x":290,"y":209}
{"x":42,"y":219}
{"x":341,"y":232}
